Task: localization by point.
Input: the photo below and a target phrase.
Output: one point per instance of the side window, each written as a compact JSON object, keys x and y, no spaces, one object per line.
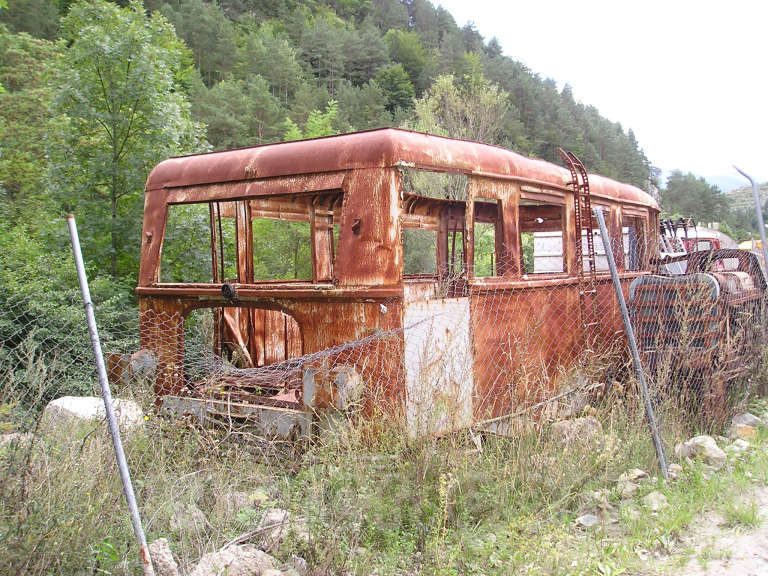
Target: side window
{"x":541,"y":237}
{"x":200,"y":243}
{"x":702,"y":245}
{"x":601,"y":260}
{"x":294,"y":237}
{"x":486,"y":237}
{"x":419,"y":252}
{"x":432,"y":220}
{"x":281,"y":237}
{"x":633,"y":240}
{"x":282,"y":250}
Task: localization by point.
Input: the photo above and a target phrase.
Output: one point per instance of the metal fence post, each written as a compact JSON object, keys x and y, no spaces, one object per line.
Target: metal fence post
{"x":639,"y":374}
{"x":759,"y":212}
{"x":114,"y":431}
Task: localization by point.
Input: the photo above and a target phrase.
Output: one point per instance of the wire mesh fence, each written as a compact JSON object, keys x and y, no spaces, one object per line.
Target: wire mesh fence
{"x":450,"y":354}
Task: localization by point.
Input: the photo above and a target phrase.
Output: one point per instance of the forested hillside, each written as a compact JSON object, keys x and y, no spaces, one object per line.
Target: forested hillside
{"x":95,"y":93}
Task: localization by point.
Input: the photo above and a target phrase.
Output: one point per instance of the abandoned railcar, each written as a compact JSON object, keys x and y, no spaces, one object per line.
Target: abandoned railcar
{"x":443,"y":280}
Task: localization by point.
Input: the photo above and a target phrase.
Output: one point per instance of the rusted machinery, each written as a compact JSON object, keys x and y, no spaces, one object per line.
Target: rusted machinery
{"x":704,"y":325}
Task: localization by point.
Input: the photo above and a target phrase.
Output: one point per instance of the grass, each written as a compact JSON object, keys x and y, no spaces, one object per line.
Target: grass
{"x":384,"y":502}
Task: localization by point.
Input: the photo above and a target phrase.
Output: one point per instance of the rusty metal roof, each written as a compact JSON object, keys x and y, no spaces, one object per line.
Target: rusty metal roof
{"x":375,"y":148}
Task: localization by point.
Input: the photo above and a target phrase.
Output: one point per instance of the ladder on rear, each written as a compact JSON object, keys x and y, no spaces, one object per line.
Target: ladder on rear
{"x":586,"y":262}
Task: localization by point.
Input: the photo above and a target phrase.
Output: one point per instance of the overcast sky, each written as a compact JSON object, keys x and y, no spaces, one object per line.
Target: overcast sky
{"x":690,"y":78}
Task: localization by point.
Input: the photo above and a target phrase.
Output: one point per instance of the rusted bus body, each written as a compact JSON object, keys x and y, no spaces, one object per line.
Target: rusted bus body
{"x":363,"y":197}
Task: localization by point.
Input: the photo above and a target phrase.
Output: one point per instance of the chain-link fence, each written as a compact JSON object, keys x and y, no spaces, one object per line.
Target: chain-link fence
{"x":450,"y":355}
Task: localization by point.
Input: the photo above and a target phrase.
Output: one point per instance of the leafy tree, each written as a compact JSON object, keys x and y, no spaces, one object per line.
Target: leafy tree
{"x":39,"y":18}
{"x":121,"y":112}
{"x":397,"y":87}
{"x":208,"y":32}
{"x":405,"y":48}
{"x":363,"y":107}
{"x":269,"y":53}
{"x":308,"y":97}
{"x":366,"y":54}
{"x":389,"y":14}
{"x":691,"y":196}
{"x":323,"y":48}
{"x":25,"y":70}
{"x":318,"y":124}
{"x":240,"y":113}
{"x":474,"y":109}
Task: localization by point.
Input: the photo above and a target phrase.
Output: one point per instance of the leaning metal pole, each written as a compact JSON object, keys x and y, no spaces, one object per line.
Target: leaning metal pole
{"x":632,"y":342}
{"x":759,"y":212}
{"x":114,"y":431}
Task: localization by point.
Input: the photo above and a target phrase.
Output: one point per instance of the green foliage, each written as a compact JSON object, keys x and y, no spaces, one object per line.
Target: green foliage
{"x":42,"y":324}
{"x":405,"y":48}
{"x":396,"y":86}
{"x":40,"y":18}
{"x":322,"y":47}
{"x":474,"y":109}
{"x":362,"y":107}
{"x":240,"y":113}
{"x":318,"y":124}
{"x":25,"y":71}
{"x":208,"y":32}
{"x":120,"y":111}
{"x":691,"y":196}
{"x":268,"y":52}
{"x":281,"y":250}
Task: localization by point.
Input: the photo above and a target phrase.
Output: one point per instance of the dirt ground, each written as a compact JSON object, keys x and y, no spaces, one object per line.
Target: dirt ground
{"x":721,"y":550}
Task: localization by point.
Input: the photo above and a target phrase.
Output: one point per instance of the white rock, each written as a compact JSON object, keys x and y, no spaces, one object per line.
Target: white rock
{"x":747,"y":419}
{"x":245,"y":560}
{"x":655,"y":501}
{"x":703,"y":447}
{"x":73,"y":410}
{"x":633,"y":475}
{"x":743,"y":431}
{"x":626,"y":488}
{"x":578,"y":430}
{"x":738,"y":446}
{"x":276,"y":524}
{"x":675,"y":471}
{"x":162,"y":558}
{"x":587,"y":520}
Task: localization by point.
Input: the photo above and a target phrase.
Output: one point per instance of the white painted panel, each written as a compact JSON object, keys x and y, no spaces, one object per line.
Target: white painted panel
{"x":438,"y":365}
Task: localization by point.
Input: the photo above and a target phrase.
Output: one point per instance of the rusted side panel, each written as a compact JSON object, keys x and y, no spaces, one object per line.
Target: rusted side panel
{"x":527,"y":339}
{"x":370,"y":251}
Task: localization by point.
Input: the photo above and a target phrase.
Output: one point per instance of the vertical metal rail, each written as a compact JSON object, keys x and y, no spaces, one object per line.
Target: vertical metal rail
{"x":759,"y":212}
{"x":114,"y":431}
{"x":632,"y":342}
